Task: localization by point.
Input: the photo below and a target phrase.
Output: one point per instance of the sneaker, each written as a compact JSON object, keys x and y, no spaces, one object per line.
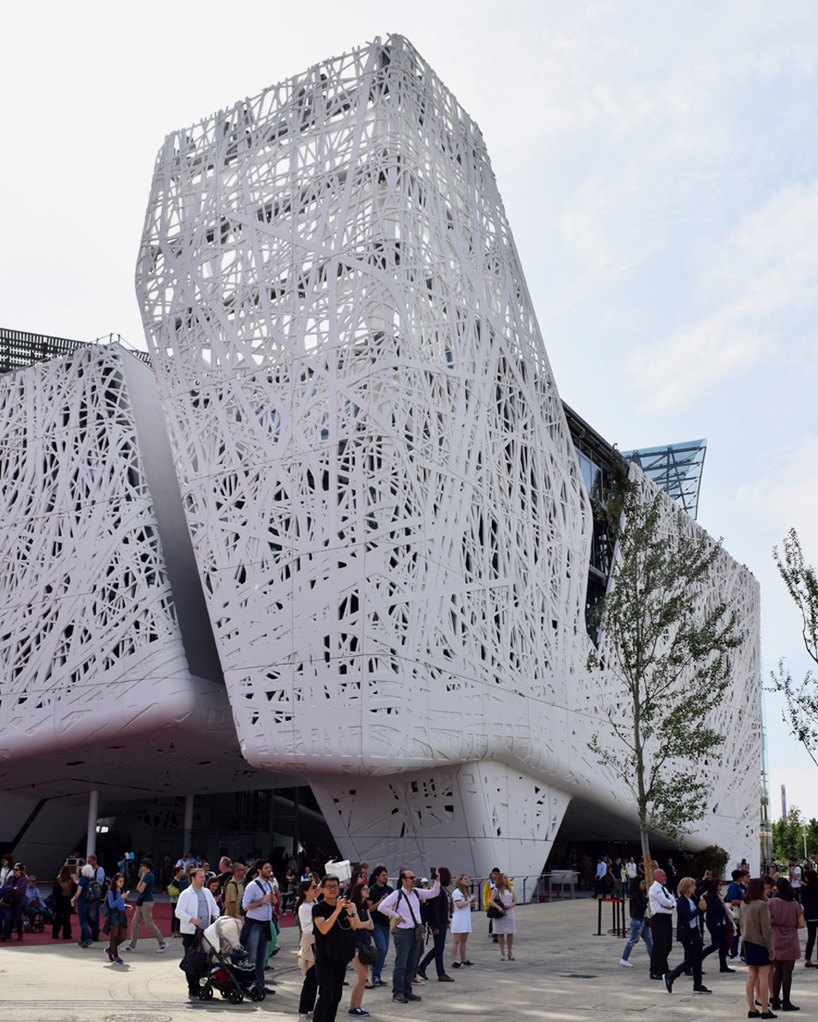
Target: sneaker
{"x":668,"y":982}
{"x":456,"y":965}
{"x":626,"y":963}
{"x":129,"y":948}
{"x":468,"y":963}
{"x":108,"y":953}
{"x":735,"y":960}
{"x":162,"y":947}
{"x":702,"y":990}
{"x":418,"y":982}
{"x":400,"y":999}
{"x":357,"y":1011}
{"x":118,"y":960}
{"x":445,"y":978}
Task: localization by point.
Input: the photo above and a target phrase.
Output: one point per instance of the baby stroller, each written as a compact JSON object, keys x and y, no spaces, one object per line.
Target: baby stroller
{"x":229,"y":969}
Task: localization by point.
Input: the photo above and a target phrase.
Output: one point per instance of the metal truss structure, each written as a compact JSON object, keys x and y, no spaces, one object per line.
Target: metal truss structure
{"x":677,"y":468}
{"x":384,"y":502}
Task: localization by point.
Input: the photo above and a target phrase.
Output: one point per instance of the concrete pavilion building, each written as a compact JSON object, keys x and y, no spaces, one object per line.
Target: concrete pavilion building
{"x":381,"y":502}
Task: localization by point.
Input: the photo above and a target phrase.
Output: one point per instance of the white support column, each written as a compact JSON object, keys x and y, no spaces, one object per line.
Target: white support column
{"x":188,"y":823}
{"x":93,"y":812}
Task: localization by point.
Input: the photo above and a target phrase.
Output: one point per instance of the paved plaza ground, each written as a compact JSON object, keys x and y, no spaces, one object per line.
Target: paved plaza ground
{"x":562,"y":972}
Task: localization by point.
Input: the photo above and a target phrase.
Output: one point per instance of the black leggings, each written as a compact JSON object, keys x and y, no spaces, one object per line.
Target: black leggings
{"x":812,"y":926}
{"x":782,"y":979}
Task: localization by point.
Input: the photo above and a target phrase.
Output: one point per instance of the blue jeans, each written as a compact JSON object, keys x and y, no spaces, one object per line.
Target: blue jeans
{"x":380,"y":934}
{"x":83,"y":914}
{"x":407,"y":953}
{"x":93,"y":918}
{"x":257,"y":941}
{"x":436,"y":952}
{"x":639,"y":928}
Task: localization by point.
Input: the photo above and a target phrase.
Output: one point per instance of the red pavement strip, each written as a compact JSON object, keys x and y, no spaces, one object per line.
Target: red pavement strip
{"x":161,"y":916}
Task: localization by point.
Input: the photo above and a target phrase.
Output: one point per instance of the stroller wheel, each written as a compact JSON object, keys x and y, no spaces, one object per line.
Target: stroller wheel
{"x":206,"y":993}
{"x":256,"y":994}
{"x":235,"y":997}
{"x":39,"y":926}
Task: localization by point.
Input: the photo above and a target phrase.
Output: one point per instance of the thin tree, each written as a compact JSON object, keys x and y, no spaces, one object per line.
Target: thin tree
{"x":664,"y":658}
{"x":801,"y":709}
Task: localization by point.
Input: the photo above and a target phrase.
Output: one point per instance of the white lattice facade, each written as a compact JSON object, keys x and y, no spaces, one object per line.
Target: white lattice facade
{"x":376,"y":470}
{"x":96,"y":689}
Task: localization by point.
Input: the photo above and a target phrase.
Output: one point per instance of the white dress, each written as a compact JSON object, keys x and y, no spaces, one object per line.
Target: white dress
{"x":506,"y":924}
{"x":461,"y":912}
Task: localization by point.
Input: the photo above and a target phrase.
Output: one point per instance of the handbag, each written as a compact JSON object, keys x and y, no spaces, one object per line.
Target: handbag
{"x":495,"y":911}
{"x":367,"y":953}
{"x":194,"y":961}
{"x":173,"y":891}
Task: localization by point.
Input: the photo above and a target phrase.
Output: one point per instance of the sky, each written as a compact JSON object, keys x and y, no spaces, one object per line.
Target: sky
{"x":659,"y":168}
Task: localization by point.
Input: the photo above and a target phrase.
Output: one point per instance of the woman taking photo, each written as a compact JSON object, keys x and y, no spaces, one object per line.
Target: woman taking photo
{"x":757,"y":931}
{"x":787,"y":918}
{"x":638,"y":899}
{"x":117,"y":917}
{"x":334,"y":920}
{"x":307,"y":893}
{"x":461,"y":919}
{"x":504,"y":898}
{"x":363,"y":936}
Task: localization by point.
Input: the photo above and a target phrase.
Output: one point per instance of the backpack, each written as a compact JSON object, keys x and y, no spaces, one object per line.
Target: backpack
{"x":93,"y":892}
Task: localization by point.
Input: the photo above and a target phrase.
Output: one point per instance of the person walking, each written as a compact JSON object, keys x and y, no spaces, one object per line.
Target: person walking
{"x":689,"y":912}
{"x":143,"y":911}
{"x":504,"y":898}
{"x":461,"y":919}
{"x":82,"y":905}
{"x":438,"y":913}
{"x":759,"y":950}
{"x":13,"y":893}
{"x":787,"y":918}
{"x":661,"y":911}
{"x":117,"y":923}
{"x":196,"y":908}
{"x":638,"y":901}
{"x":403,"y":906}
{"x":716,"y":921}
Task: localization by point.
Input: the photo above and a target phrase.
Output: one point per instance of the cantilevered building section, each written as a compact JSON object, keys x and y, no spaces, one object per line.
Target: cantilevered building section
{"x":386,"y":509}
{"x":99,"y":689}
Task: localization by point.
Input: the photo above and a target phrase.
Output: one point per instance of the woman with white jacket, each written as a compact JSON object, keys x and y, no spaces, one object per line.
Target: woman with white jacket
{"x":196,"y":909}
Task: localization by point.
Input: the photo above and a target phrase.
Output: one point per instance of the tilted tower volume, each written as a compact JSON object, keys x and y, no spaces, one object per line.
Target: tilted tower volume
{"x":374,"y":461}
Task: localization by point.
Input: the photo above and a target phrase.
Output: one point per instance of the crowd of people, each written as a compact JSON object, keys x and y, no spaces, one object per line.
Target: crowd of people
{"x":748,"y":921}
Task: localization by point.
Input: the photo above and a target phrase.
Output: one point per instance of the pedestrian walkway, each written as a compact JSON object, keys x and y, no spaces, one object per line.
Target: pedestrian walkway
{"x":562,"y":973}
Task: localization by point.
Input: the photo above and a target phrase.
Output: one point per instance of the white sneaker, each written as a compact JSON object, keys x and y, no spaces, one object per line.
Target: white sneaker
{"x":129,"y":948}
{"x":626,"y":963}
{"x":161,"y":948}
{"x":736,"y":960}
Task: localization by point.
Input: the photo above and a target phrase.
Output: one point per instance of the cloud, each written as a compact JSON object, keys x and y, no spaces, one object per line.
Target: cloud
{"x":761,"y":289}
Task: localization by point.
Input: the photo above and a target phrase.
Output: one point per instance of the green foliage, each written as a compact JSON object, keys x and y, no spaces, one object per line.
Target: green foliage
{"x":665,"y":645}
{"x":788,"y":836}
{"x":713,"y":857}
{"x":801,"y":697}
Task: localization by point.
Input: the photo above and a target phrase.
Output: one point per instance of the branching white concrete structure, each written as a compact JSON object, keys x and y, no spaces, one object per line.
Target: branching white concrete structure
{"x":380,"y":486}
